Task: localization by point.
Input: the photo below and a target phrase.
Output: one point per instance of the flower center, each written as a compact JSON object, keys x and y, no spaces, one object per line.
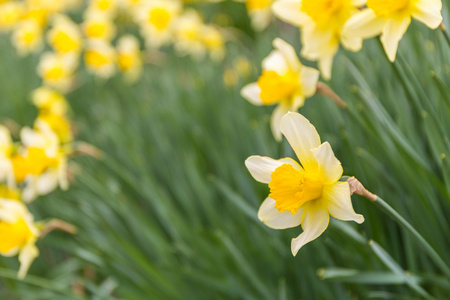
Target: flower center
{"x":384,"y":8}
{"x":160,"y":18}
{"x":96,"y":30}
{"x":125,"y":61}
{"x":54,"y":73}
{"x":257,"y":4}
{"x":94,"y":58}
{"x":291,"y":188}
{"x":13,"y":235}
{"x":327,"y":12}
{"x":35,"y":163}
{"x":275,"y":87}
{"x":64,"y":43}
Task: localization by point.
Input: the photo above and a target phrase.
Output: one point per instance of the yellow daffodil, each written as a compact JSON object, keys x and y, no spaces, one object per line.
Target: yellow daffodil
{"x":305,"y":194}
{"x":321,"y":23}
{"x":6,"y":151}
{"x":65,"y":35}
{"x":9,"y":193}
{"x":57,"y":70}
{"x":42,"y":165}
{"x":18,"y":233}
{"x":98,"y":26}
{"x":100,"y":58}
{"x":156,"y":19}
{"x":260,"y":12}
{"x":10,"y":14}
{"x":284,"y":81}
{"x":188,"y":34}
{"x":214,"y":41}
{"x":129,"y":58}
{"x":106,"y":7}
{"x":391,"y":19}
{"x":27,"y":37}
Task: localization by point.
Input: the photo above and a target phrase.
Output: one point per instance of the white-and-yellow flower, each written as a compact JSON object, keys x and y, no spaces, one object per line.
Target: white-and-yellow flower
{"x":284,"y":81}
{"x":50,"y":101}
{"x":260,"y":12}
{"x":6,"y":150}
{"x":156,"y":19}
{"x":18,"y":233}
{"x":65,"y":35}
{"x":391,"y":19}
{"x":214,"y":41}
{"x":57,"y":70}
{"x":100,"y":58}
{"x":10,"y":14}
{"x":321,"y":23}
{"x":106,"y":7}
{"x":188,"y":34}
{"x":27,"y":37}
{"x":98,"y":26}
{"x":305,"y":194}
{"x":41,"y":165}
{"x":129,"y":58}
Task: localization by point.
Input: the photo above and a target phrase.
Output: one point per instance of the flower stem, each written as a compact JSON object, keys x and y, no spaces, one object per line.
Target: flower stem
{"x":445,"y":33}
{"x":357,"y":188}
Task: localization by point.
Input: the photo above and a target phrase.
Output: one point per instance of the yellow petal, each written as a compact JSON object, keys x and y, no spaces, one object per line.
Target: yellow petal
{"x":26,"y":257}
{"x":308,"y":80}
{"x":428,"y":12}
{"x":392,"y":34}
{"x":303,"y":137}
{"x":337,"y":200}
{"x":290,"y":12}
{"x":271,"y":217}
{"x":364,"y":24}
{"x":328,"y":164}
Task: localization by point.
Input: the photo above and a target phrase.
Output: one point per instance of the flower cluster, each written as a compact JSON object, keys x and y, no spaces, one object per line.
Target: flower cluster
{"x":31,"y":167}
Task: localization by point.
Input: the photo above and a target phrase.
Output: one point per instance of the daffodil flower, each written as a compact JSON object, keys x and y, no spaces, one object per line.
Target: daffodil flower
{"x":98,"y":26}
{"x":57,"y":70}
{"x":391,"y":19}
{"x":188,"y":34}
{"x":18,"y":233}
{"x":260,"y":13}
{"x":100,"y":58}
{"x":284,"y":81}
{"x":27,"y":37}
{"x":65,"y":35}
{"x":129,"y":58}
{"x":321,"y":23}
{"x":305,"y":194}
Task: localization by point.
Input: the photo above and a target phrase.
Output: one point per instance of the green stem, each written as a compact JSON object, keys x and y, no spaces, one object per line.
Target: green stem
{"x":445,"y":33}
{"x":422,"y":242}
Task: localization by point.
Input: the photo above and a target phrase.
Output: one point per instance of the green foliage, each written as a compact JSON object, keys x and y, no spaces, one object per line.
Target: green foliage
{"x":170,"y":211}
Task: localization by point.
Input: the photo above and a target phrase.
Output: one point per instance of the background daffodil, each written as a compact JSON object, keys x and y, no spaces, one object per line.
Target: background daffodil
{"x":284,"y":81}
{"x":391,"y":19}
{"x":305,"y":194}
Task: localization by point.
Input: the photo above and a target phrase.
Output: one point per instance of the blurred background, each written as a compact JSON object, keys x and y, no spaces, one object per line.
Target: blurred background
{"x":170,"y":210}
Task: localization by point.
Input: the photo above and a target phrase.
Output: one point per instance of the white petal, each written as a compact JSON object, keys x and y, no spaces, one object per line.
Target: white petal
{"x":275,"y":120}
{"x":262,"y":167}
{"x":351,"y":43}
{"x":271,"y":217}
{"x":328,"y":163}
{"x":47,"y":182}
{"x":29,"y":193}
{"x":392,"y":34}
{"x":302,"y":136}
{"x":358,"y":3}
{"x":428,"y":12}
{"x":314,"y":222}
{"x":297,"y":102}
{"x":339,"y":204}
{"x":28,"y":253}
{"x":290,"y":12}
{"x":308,"y":80}
{"x":260,"y":18}
{"x":251,"y":92}
{"x":289,"y":54}
{"x":325,"y":66}
{"x":275,"y":62}
{"x":364,"y":24}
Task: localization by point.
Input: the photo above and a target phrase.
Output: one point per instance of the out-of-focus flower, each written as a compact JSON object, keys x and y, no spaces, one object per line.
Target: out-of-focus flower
{"x":284,"y":81}
{"x":129,"y":58}
{"x":214,"y":42}
{"x":10,"y":13}
{"x":321,"y":23}
{"x":260,"y":13}
{"x":100,"y":58}
{"x":6,"y":151}
{"x":391,"y":19}
{"x":243,"y":66}
{"x":187,"y":37}
{"x":49,"y":101}
{"x":57,"y":70}
{"x":65,"y":35}
{"x":305,"y":194}
{"x":41,"y":165}
{"x":27,"y":37}
{"x":107,"y":7}
{"x":9,"y":193}
{"x":98,"y":26}
{"x":156,"y":19}
{"x":18,"y":232}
